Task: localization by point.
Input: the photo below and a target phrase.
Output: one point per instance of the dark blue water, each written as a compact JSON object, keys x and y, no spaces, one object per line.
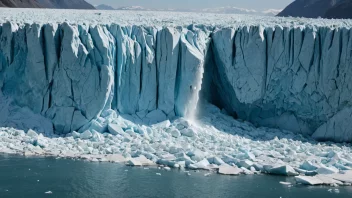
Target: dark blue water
{"x":32,"y":177}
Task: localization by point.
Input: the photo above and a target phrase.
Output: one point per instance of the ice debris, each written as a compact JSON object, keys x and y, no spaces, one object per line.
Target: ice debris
{"x":220,"y":146}
{"x":229,"y":170}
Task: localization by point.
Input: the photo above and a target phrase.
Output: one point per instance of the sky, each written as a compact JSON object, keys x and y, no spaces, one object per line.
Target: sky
{"x":192,"y":4}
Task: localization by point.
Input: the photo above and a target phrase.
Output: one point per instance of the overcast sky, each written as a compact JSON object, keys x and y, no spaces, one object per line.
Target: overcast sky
{"x":249,"y":4}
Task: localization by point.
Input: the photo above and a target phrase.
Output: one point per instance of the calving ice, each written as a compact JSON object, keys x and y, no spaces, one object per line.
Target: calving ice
{"x":293,"y":75}
{"x":133,"y":83}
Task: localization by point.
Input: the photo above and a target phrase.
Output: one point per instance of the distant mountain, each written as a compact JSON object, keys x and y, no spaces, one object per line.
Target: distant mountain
{"x":104,"y":7}
{"x":342,"y":10}
{"x":229,"y":10}
{"x":308,"y":8}
{"x":19,"y":4}
{"x":236,"y":10}
{"x":133,"y":8}
{"x":271,"y":12}
{"x":65,"y":4}
{"x":59,"y":4}
{"x":319,"y":8}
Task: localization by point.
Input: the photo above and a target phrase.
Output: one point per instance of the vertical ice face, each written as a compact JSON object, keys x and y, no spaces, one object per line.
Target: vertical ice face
{"x":148,"y":94}
{"x":167,"y":55}
{"x":249,"y":64}
{"x":302,"y":74}
{"x":83,"y":81}
{"x":294,"y":78}
{"x":129,"y":67}
{"x":22,"y":65}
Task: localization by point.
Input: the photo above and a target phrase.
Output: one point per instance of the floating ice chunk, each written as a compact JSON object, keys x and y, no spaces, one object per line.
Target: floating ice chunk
{"x":246,"y":171}
{"x":202,"y":164}
{"x":48,"y":192}
{"x":252,"y":169}
{"x":346,"y":177}
{"x":245,"y":163}
{"x":144,"y":161}
{"x":167,"y":168}
{"x":229,"y":170}
{"x":207,"y":174}
{"x":158,"y":174}
{"x":328,"y":180}
{"x":192,"y":167}
{"x":285,"y":183}
{"x":182,"y":164}
{"x":164,"y":162}
{"x":283,"y":170}
{"x":307,"y":180}
{"x":133,"y":162}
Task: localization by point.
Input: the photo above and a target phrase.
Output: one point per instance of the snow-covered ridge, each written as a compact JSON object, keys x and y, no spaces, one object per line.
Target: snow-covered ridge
{"x":290,"y":74}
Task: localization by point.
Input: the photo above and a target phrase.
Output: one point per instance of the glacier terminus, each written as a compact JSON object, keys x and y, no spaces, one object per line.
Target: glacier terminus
{"x":244,"y":93}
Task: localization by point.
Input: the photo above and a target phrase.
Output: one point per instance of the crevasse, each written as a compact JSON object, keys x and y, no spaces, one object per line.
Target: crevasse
{"x":298,"y":79}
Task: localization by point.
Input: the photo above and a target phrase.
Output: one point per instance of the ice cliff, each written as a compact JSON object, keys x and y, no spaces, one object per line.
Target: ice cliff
{"x":287,"y":76}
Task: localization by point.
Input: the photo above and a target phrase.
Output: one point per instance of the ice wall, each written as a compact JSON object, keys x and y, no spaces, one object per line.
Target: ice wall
{"x":71,"y":74}
{"x":292,"y":78}
{"x":295,"y":78}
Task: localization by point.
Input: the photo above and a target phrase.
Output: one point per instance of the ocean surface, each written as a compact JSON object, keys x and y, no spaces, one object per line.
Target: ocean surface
{"x":49,"y":177}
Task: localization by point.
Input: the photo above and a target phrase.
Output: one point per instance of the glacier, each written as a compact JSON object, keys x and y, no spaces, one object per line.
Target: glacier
{"x":125,"y":82}
{"x":287,"y":76}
